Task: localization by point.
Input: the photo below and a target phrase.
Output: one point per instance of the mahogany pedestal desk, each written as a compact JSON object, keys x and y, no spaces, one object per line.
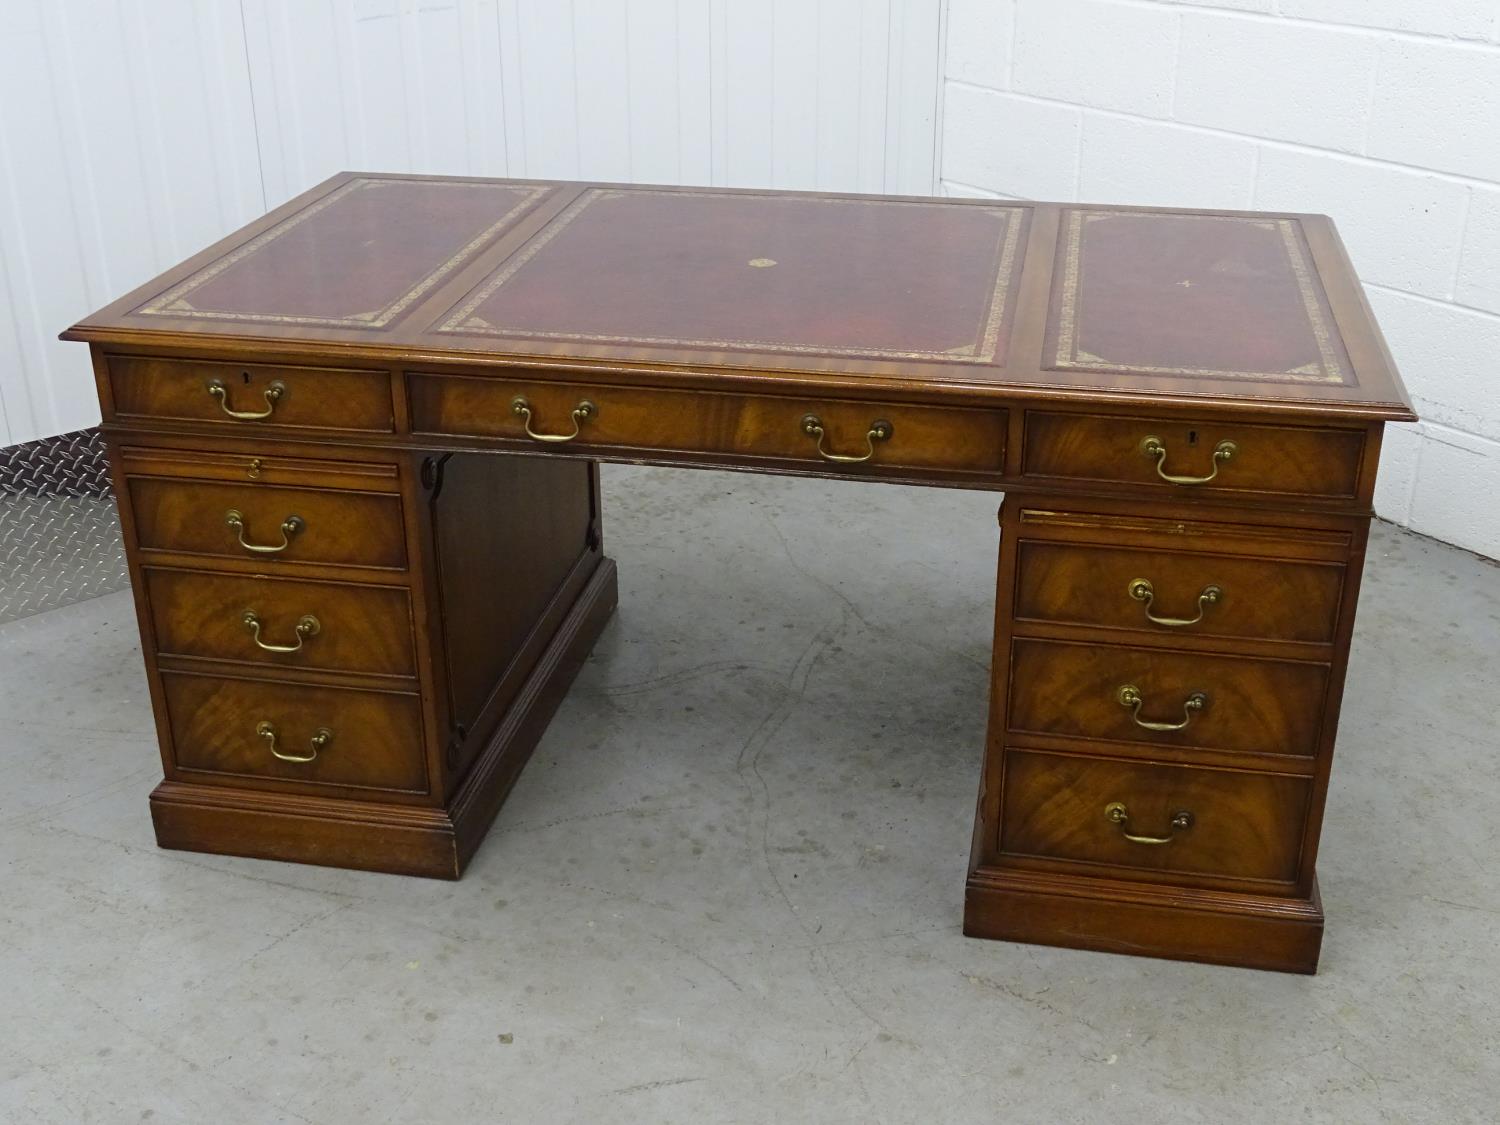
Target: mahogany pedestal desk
{"x":356,"y":445}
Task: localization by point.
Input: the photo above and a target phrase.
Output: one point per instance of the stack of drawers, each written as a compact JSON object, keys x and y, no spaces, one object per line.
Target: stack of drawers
{"x":1168,"y":666}
{"x":273,"y":581}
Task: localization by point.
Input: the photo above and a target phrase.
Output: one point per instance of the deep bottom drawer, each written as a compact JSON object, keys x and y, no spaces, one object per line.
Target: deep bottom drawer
{"x":237,"y":728}
{"x":1187,"y":819}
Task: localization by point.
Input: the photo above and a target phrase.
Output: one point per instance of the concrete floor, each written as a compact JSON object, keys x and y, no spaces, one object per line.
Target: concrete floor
{"x":728,"y":886}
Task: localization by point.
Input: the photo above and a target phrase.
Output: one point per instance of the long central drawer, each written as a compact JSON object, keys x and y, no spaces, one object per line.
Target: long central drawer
{"x":867,"y":437}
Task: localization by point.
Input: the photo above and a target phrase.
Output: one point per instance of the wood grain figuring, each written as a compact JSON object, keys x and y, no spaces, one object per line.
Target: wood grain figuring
{"x":1244,"y":825}
{"x":376,"y":744}
{"x":1090,"y":585}
{"x":344,"y":528}
{"x":1267,"y":459}
{"x":361,"y":629}
{"x":1254,"y":706}
{"x":515,"y":524}
{"x":325,"y":398}
{"x":455,"y":561}
{"x":746,"y":427}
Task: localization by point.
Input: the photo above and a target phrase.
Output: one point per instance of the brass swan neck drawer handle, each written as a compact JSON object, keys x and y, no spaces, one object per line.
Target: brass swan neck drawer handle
{"x":880,"y":430}
{"x":1142,"y":591}
{"x":319,"y":741}
{"x":272,"y":394}
{"x":1116,"y":813}
{"x":307,"y":626}
{"x":1130,"y":696}
{"x":581,"y":414}
{"x":292,"y":525}
{"x":1155,"y":447}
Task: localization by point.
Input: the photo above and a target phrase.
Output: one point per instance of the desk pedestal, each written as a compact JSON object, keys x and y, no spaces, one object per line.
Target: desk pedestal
{"x":448,"y":617}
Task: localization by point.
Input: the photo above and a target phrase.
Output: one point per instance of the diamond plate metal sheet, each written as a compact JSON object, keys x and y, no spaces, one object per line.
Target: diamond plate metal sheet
{"x":59,"y":530}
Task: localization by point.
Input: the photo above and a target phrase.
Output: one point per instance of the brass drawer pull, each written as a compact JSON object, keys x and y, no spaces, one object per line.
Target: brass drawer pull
{"x":290,"y":526}
{"x":1142,"y":591}
{"x":1155,"y":447}
{"x":812,"y":426}
{"x":1130,"y":696}
{"x":581,"y":414}
{"x":1116,"y":813}
{"x":319,"y":741}
{"x":272,"y":394}
{"x":307,"y":626}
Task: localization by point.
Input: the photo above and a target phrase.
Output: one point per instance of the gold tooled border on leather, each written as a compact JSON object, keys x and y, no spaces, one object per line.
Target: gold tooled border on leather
{"x":1068,"y":356}
{"x":174,"y":302}
{"x":983,"y":350}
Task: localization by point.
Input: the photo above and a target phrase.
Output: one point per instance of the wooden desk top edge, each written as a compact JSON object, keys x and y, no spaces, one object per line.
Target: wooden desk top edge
{"x":1377,"y":395}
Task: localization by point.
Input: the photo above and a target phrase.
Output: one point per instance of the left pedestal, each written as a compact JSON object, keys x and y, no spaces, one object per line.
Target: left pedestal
{"x":352,"y":652}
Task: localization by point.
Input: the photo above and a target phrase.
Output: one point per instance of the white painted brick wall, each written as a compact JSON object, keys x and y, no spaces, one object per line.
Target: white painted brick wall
{"x":1384,"y":114}
{"x":1129,"y":50}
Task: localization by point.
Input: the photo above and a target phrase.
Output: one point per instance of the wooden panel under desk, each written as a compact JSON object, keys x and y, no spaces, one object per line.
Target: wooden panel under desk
{"x":509,"y":536}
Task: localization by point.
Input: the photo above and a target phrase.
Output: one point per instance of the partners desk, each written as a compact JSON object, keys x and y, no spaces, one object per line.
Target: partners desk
{"x":362,"y":594}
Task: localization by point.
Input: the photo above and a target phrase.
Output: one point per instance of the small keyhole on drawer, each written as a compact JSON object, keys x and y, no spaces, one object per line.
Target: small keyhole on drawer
{"x":1192,"y":437}
{"x":245,"y":375}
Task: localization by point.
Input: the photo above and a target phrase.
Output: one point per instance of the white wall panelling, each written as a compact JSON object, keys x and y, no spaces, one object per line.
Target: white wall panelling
{"x":127,"y":141}
{"x":1384,"y":114}
{"x":134,"y":132}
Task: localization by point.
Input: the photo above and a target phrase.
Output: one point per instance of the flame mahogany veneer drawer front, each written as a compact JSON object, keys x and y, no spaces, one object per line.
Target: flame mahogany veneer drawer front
{"x":256,"y":619}
{"x":1177,"y":593}
{"x":1187,"y":819}
{"x":871,"y":437}
{"x":1228,"y":703}
{"x":277,"y":525}
{"x":346,"y":737}
{"x":1204,"y":457}
{"x":252,"y":396}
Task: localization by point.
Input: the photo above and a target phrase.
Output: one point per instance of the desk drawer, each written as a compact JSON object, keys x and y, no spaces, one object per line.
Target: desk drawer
{"x":1208,"y":822}
{"x":235,"y":728}
{"x":251,"y":396}
{"x":327,"y":625}
{"x":1139,"y":451}
{"x":1177,"y":593}
{"x":276,"y":525}
{"x":857,"y":436}
{"x":1248,"y":705}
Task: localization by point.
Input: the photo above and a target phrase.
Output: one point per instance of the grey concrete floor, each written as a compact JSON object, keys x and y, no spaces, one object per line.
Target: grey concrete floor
{"x":728,"y":886}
